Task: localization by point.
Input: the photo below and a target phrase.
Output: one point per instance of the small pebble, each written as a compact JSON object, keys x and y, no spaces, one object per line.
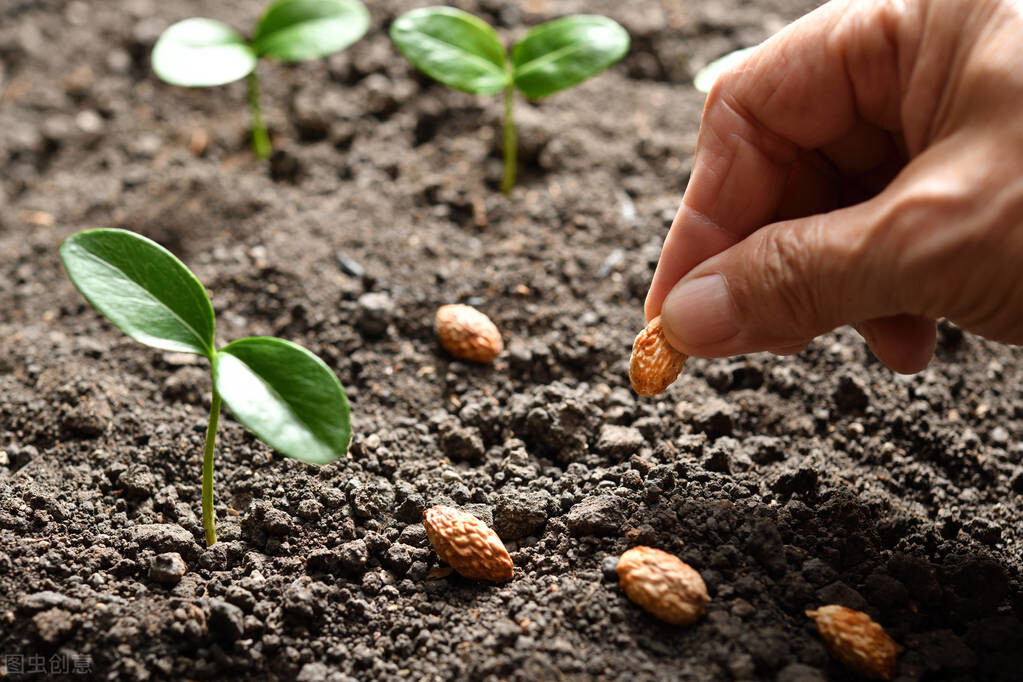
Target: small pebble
{"x":167,"y":568}
{"x":374,"y":313}
{"x":609,"y":567}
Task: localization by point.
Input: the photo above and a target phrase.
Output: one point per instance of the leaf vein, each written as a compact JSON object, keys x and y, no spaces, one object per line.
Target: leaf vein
{"x":474,"y":57}
{"x":163,"y":305}
{"x":280,"y":398}
{"x":549,"y":57}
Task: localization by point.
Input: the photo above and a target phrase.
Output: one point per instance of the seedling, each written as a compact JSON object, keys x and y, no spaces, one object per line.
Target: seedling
{"x":279,"y":390}
{"x":463,"y":52}
{"x":203,"y":53}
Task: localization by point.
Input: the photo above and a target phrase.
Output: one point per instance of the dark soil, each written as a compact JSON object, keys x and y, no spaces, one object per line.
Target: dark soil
{"x":787,"y":482}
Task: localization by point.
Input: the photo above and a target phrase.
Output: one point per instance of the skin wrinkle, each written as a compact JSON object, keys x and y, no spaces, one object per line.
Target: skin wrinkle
{"x":944,"y":120}
{"x":926,"y":109}
{"x":874,"y":120}
{"x":916,"y":116}
{"x":705,"y":222}
{"x":862,"y":68}
{"x":776,"y":147}
{"x":782,"y":256}
{"x":716,"y":178}
{"x":783,"y":252}
{"x":748,"y":212}
{"x":727,"y":152}
{"x":845,"y":248}
{"x":859,"y":250}
{"x":839,"y":41}
{"x":803,"y":135}
{"x":765,"y":146}
{"x":768,"y":103}
{"x":893,"y":231}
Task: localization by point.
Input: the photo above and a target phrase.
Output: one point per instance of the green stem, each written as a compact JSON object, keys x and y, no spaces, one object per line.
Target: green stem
{"x":209,"y":520}
{"x":260,"y":138}
{"x":510,"y":145}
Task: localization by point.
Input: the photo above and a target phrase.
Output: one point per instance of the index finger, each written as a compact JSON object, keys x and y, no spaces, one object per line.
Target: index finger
{"x":813,"y":84}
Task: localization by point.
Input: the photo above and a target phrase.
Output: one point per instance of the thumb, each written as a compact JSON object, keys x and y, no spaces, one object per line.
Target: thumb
{"x":791,"y":281}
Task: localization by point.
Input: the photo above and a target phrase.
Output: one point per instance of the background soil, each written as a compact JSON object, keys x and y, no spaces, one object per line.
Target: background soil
{"x":788,"y":482}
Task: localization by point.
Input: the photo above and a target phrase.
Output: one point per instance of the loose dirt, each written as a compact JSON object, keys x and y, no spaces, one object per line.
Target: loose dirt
{"x":787,"y":482}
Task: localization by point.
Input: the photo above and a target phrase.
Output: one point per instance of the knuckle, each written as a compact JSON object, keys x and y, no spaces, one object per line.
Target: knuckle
{"x":789,"y":277}
{"x":941,"y":229}
{"x":924,"y":229}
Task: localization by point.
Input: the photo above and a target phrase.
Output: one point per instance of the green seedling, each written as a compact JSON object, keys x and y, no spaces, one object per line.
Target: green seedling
{"x":203,"y":53}
{"x":463,"y":52}
{"x":279,"y":390}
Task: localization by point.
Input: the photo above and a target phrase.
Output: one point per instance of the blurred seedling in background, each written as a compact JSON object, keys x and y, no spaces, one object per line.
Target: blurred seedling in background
{"x":204,"y":53}
{"x":279,"y":390}
{"x":464,"y":52}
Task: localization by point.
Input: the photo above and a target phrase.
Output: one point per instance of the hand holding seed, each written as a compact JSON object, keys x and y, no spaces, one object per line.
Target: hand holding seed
{"x":864,"y":166}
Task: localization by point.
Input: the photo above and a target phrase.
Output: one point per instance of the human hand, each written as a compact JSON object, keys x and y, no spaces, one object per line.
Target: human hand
{"x":864,"y":166}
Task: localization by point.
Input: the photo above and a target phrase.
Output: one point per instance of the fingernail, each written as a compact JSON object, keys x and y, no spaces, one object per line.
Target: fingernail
{"x":700,"y":312}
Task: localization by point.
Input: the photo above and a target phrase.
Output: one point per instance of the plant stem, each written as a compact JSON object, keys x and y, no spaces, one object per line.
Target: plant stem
{"x":260,"y":138}
{"x":209,"y":520}
{"x":510,"y":144}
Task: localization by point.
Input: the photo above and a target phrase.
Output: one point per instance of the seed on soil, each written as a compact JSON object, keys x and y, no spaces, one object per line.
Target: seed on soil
{"x":857,"y":641}
{"x":467,"y":544}
{"x":654,"y":364}
{"x":467,"y":333}
{"x":663,"y":585}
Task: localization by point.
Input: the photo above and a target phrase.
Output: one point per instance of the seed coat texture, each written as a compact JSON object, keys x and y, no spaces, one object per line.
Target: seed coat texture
{"x":663,"y":585}
{"x":467,"y":333}
{"x":466,"y":543}
{"x":654,"y":364}
{"x":857,"y":641}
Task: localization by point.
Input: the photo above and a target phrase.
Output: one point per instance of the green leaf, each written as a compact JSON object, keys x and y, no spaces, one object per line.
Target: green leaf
{"x":706,"y":76}
{"x":564,"y":52}
{"x":296,"y":30}
{"x":453,"y":47}
{"x":201,"y":53}
{"x":142,"y":288}
{"x":285,"y":395}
